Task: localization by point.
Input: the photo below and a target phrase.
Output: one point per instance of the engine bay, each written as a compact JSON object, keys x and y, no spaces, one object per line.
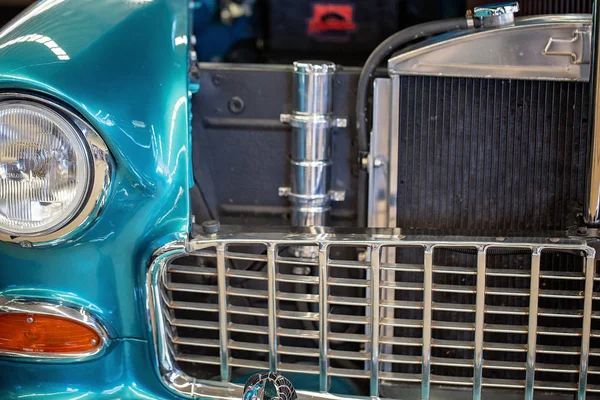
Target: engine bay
{"x":463,"y":146}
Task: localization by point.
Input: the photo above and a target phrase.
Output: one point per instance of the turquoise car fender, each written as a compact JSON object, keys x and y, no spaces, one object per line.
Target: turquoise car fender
{"x":122,"y":65}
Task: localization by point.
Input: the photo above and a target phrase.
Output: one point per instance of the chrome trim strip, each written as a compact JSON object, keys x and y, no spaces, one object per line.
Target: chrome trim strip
{"x":427,"y":321}
{"x":375,"y":293}
{"x":512,"y":52}
{"x":590,"y":273}
{"x":77,"y":314}
{"x":393,"y":160}
{"x":592,"y":195}
{"x":223,"y":318}
{"x":101,"y":169}
{"x":479,"y":322}
{"x":323,"y":323}
{"x":379,"y":159}
{"x":184,"y":385}
{"x":533,"y":317}
{"x":272,"y":306}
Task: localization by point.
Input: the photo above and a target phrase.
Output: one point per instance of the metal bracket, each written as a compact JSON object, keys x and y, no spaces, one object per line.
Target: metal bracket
{"x":297,"y":120}
{"x":578,"y":47}
{"x":334,"y":195}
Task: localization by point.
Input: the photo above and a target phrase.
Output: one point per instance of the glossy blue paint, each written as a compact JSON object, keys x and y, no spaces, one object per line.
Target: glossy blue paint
{"x":122,"y":64}
{"x":120,"y":374}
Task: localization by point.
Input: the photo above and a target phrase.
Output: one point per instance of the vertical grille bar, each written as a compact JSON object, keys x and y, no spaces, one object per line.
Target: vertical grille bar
{"x":387,"y":256}
{"x":532,"y":329}
{"x":272,"y":306}
{"x":427,"y":306}
{"x":587,"y":325}
{"x":323,"y":315}
{"x":479,"y":323}
{"x":223,"y":321}
{"x":375,"y":259}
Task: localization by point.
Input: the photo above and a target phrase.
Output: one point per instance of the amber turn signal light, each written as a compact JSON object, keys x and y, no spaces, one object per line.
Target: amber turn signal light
{"x":38,"y":333}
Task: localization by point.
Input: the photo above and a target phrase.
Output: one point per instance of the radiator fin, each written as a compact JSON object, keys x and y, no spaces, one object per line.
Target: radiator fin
{"x":486,"y":155}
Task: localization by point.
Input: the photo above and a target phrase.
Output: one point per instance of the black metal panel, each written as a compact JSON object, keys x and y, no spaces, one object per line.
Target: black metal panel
{"x":241,"y":150}
{"x":485,"y":155}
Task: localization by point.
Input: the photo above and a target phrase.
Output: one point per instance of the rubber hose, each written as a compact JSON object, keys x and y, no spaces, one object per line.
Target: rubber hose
{"x":384,"y":50}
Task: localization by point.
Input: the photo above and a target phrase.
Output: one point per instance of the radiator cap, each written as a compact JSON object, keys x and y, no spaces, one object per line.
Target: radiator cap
{"x":493,"y":15}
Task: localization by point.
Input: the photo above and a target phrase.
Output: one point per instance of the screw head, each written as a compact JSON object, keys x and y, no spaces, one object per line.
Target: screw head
{"x":30,"y":320}
{"x":93,"y":342}
{"x":217,"y":79}
{"x":26,"y":244}
{"x":364,"y":162}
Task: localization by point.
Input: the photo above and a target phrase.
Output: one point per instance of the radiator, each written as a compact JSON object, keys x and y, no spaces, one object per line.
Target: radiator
{"x":491,"y":155}
{"x":422,"y":312}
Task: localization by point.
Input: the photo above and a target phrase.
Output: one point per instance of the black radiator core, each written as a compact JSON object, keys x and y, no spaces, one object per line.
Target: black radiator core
{"x":535,"y":7}
{"x":491,"y":155}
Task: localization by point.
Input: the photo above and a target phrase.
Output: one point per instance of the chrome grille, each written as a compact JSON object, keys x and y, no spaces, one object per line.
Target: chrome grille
{"x":426,"y":311}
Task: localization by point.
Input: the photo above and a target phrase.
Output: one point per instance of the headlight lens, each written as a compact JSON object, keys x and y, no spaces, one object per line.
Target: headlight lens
{"x":45,"y":169}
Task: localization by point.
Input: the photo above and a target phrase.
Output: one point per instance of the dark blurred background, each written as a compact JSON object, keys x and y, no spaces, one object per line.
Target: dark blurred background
{"x":10,"y":8}
{"x":343,"y":31}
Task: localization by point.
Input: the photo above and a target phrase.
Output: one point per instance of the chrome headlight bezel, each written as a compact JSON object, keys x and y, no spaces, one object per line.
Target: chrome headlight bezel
{"x":99,"y":177}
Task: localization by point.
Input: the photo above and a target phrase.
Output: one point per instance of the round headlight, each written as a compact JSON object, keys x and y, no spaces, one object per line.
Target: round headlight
{"x":46,"y":169}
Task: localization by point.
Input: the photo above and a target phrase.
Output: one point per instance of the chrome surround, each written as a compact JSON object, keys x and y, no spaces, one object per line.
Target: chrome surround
{"x":379,"y":159}
{"x":592,"y":196}
{"x":101,"y":169}
{"x":40,"y":307}
{"x":525,"y":50}
{"x":181,"y":384}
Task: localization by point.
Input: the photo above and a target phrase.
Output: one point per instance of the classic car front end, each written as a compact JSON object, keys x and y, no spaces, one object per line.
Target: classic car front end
{"x":171,"y":228}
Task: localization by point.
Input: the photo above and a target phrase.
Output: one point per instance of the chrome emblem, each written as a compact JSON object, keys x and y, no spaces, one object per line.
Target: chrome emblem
{"x":269,"y":386}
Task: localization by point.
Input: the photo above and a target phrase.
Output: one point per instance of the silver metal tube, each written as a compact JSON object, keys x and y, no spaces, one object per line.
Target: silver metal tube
{"x":592,"y":200}
{"x":312,"y":125}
